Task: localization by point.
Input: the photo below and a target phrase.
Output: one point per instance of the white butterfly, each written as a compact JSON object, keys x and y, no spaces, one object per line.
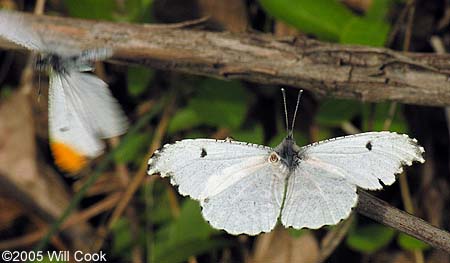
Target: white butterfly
{"x":82,"y":110}
{"x":245,"y":188}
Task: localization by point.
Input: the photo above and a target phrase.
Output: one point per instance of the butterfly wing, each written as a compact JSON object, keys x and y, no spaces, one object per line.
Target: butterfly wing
{"x":81,"y":111}
{"x":93,"y":101}
{"x":316,"y":196}
{"x":322,"y":189}
{"x":238,"y":189}
{"x":365,"y":159}
{"x":70,"y":140}
{"x":14,"y":28}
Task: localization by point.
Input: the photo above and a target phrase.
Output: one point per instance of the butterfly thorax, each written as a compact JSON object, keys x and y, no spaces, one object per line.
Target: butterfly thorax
{"x":60,"y":64}
{"x":288,"y":152}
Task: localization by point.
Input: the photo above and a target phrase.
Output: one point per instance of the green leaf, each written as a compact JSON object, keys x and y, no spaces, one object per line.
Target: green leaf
{"x":99,"y":9}
{"x":196,"y":134}
{"x":160,"y":212}
{"x":410,"y":243}
{"x":47,"y":259}
{"x":323,"y":18}
{"x":5,"y":92}
{"x":128,"y":11}
{"x":253,"y":136}
{"x":220,"y":103}
{"x":369,"y":238}
{"x":188,"y":235}
{"x":331,"y":20}
{"x":182,"y":251}
{"x":122,"y":240}
{"x":184,"y":119}
{"x":138,"y":79}
{"x":324,"y":134}
{"x":216,"y":103}
{"x":333,"y":112}
{"x":364,"y":32}
{"x":136,"y":11}
{"x":190,"y":224}
{"x":133,"y":149}
{"x":379,"y":10}
{"x":296,"y":232}
{"x":381,"y":113}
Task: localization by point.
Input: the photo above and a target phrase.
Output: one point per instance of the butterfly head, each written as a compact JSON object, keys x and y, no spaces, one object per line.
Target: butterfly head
{"x":47,"y":62}
{"x":287,"y":151}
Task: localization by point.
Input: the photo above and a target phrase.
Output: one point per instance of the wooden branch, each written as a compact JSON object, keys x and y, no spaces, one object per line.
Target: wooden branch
{"x":382,"y":212}
{"x":340,"y":71}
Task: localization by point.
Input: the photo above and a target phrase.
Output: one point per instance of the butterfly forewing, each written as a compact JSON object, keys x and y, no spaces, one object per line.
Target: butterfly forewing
{"x":238,"y":188}
{"x":93,"y":102}
{"x":365,"y":159}
{"x":14,"y":28}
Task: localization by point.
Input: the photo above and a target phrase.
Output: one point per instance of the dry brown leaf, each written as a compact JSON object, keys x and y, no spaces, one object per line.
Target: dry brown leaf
{"x":17,"y":146}
{"x":9,"y":212}
{"x":360,"y":5}
{"x":231,"y":14}
{"x":280,"y":246}
{"x":283,"y":29}
{"x":22,"y":177}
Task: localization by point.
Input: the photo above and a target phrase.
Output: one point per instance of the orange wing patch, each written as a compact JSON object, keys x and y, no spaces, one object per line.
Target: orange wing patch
{"x":66,"y":158}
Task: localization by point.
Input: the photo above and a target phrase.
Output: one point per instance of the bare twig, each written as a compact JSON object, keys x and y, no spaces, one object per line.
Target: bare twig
{"x":333,"y":238}
{"x":31,"y":238}
{"x":341,"y":71}
{"x":382,"y":212}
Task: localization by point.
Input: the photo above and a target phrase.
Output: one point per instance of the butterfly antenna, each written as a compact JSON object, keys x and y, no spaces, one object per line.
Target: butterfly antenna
{"x":285,"y":110}
{"x":39,"y":87}
{"x":300,"y":92}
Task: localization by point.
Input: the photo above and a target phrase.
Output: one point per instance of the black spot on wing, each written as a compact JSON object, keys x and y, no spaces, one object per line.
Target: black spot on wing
{"x":203,"y":153}
{"x":369,"y":145}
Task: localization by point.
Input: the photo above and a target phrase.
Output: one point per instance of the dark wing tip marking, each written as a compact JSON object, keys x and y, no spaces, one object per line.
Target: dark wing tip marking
{"x":203,"y":153}
{"x":369,"y":145}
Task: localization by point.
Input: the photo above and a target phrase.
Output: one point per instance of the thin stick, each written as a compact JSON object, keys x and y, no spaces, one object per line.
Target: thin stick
{"x":137,"y":179}
{"x":262,"y":58}
{"x":31,"y":238}
{"x":386,"y":214}
{"x":334,"y":238}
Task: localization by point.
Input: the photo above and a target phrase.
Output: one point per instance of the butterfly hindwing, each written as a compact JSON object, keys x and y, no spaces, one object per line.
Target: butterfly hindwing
{"x":322,"y":188}
{"x":316,"y":196}
{"x":238,"y":189}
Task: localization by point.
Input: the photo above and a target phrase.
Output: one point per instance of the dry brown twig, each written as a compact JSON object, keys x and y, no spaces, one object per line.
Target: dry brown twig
{"x":83,"y":216}
{"x":137,"y":180}
{"x":341,"y":71}
{"x":384,"y":213}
